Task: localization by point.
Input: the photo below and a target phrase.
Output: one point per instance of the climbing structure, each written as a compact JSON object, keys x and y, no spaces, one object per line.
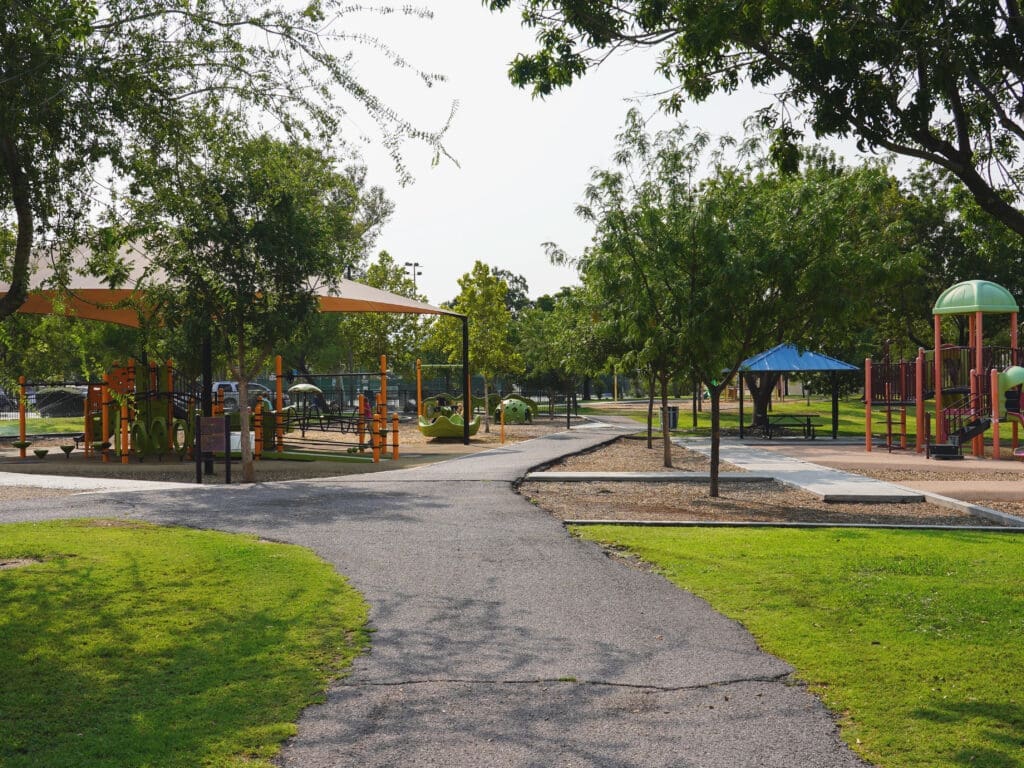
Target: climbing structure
{"x":975,"y":387}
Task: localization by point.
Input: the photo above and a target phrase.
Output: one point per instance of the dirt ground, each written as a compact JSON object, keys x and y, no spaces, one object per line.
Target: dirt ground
{"x":753,"y":502}
{"x":414,"y":449}
{"x":660,"y":501}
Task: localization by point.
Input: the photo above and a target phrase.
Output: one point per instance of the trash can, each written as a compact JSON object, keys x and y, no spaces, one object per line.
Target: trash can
{"x":673,"y":417}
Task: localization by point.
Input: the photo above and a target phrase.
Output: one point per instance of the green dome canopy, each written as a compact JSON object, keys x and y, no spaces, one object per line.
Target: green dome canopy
{"x":974,"y":296}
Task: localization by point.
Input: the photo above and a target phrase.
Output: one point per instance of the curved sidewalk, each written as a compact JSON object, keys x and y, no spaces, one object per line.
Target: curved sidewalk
{"x":500,"y":640}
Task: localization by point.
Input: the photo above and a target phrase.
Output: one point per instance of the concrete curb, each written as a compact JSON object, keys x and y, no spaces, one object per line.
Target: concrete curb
{"x":767,"y":524}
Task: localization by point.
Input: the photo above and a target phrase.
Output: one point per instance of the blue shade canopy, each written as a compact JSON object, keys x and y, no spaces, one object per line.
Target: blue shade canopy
{"x":786,"y":358}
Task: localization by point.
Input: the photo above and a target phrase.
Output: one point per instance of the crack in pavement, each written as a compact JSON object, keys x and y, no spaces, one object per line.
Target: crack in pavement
{"x":725,"y":683}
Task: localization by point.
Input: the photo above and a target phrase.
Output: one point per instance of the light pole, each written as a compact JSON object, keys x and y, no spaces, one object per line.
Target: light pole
{"x":415,"y":270}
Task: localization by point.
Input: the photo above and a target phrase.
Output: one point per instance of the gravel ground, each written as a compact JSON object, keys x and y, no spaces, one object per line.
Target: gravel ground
{"x":760,"y":502}
{"x":631,"y":454}
{"x":414,"y":449}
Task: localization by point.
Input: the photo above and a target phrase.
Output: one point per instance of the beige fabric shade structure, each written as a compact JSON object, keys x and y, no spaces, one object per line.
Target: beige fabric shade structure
{"x":90,"y":298}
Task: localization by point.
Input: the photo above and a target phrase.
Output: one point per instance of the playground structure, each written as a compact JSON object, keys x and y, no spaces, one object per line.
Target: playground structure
{"x":975,"y":387}
{"x":143,"y":411}
{"x":438,"y":416}
{"x":364,"y":416}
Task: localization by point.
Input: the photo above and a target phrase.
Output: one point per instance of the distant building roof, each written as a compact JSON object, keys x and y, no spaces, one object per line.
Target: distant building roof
{"x":786,"y":358}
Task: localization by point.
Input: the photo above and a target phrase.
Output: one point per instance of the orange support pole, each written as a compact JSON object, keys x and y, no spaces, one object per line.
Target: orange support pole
{"x":867,"y":405}
{"x":361,"y":420}
{"x":394,"y":435}
{"x":22,"y":405}
{"x":104,"y":415}
{"x":979,"y":384}
{"x":384,"y":380}
{"x":993,"y":378}
{"x":375,"y":437}
{"x":940,"y":423}
{"x":279,"y":405}
{"x":919,"y":400}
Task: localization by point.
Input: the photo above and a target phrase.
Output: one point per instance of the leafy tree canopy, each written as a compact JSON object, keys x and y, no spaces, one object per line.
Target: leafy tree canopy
{"x":938,"y":81}
{"x":88,"y":87}
{"x":253,"y":234}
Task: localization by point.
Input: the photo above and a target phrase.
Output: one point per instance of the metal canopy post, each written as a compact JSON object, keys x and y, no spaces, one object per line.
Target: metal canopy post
{"x":206,"y":396}
{"x":741,"y":403}
{"x":467,"y":393}
{"x":835,"y":405}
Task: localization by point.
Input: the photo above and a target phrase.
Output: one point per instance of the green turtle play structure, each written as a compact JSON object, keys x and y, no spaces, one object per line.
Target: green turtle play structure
{"x":517,"y":411}
{"x":438,"y":418}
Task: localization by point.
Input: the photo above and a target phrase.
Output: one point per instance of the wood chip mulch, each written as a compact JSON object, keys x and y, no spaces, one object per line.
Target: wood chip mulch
{"x":746,"y":502}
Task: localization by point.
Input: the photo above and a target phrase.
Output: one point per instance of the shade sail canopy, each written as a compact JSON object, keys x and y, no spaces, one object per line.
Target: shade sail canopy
{"x":785,"y":358}
{"x":89,"y":298}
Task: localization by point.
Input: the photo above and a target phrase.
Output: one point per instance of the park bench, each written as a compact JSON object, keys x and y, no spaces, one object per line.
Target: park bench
{"x":778,"y":423}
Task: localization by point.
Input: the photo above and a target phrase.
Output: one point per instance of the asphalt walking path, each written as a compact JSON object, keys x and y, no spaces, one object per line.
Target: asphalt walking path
{"x":501,"y":640}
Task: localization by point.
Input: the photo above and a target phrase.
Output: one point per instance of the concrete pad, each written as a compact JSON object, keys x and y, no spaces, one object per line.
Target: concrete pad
{"x":72,"y":483}
{"x":825,"y":483}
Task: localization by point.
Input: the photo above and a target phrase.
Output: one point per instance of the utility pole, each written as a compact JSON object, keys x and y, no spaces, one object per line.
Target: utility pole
{"x":414,"y":269}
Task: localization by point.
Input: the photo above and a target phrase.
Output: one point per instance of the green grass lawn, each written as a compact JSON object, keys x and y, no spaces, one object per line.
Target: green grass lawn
{"x":851,"y":416}
{"x":44,"y":426}
{"x":135,"y":645}
{"x":915,"y":639}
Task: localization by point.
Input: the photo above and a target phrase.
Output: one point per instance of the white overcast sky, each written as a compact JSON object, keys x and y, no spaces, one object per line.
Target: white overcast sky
{"x":523,"y":163}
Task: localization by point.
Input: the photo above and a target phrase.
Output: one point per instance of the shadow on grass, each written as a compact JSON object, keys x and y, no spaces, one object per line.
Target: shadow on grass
{"x":1000,"y":725}
{"x":149,"y":671}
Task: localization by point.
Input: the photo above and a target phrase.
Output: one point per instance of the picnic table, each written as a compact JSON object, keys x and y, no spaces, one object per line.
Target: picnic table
{"x":805,"y":422}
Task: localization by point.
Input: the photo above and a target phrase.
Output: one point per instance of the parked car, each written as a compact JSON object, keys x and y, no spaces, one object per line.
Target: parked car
{"x":256,"y":391}
{"x":61,"y":401}
{"x":8,"y":403}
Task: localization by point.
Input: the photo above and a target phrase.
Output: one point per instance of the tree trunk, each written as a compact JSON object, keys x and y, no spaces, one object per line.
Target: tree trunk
{"x":650,"y":412}
{"x":21,"y":199}
{"x":760,"y":388}
{"x":693,"y":401}
{"x":666,"y":433}
{"x":248,"y":466}
{"x":487,"y":414}
{"x":716,"y":436}
{"x":248,"y":470}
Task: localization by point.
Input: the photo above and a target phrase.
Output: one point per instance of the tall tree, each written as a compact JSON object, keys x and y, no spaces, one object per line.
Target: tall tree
{"x":698,"y":276}
{"x":643,"y":210}
{"x":942,"y":82}
{"x":955,"y":241}
{"x":560,"y":342}
{"x":260,"y":229}
{"x":491,"y":352}
{"x":88,"y":87}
